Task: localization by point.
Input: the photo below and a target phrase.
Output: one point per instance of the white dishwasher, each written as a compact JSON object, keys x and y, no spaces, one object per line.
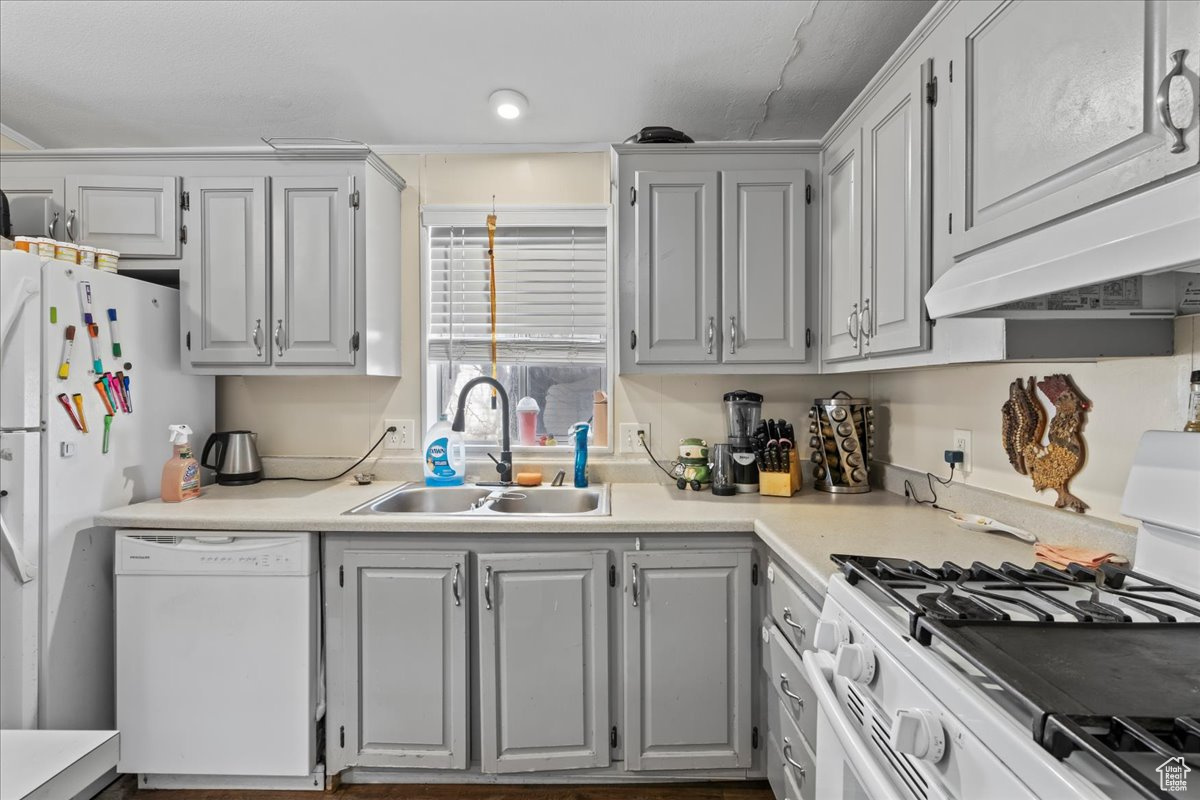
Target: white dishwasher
{"x":218,"y":657}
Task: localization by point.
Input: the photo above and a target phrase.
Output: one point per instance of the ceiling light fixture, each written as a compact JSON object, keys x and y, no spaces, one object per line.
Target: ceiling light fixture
{"x":508,"y":103}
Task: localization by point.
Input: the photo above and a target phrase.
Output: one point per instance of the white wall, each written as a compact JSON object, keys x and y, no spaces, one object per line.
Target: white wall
{"x":919,"y":409}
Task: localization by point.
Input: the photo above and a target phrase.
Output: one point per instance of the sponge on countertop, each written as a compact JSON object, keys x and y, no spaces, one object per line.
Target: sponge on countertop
{"x":529,"y":479}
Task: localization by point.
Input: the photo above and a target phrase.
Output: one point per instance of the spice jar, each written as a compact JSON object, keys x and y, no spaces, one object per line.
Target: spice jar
{"x":107,"y":259}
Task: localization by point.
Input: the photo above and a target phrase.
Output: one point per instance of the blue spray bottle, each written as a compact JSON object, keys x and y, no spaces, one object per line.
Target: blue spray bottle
{"x":581,"y":447}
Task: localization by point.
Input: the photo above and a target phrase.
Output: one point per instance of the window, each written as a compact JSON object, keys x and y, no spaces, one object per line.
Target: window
{"x":553,"y":314}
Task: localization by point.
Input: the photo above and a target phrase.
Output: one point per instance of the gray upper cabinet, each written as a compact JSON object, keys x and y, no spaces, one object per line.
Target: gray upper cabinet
{"x":404,"y":648}
{"x":138,"y":216}
{"x":1060,"y":110}
{"x":896,"y":225}
{"x":687,"y":659}
{"x":842,"y":288}
{"x":543,"y":661}
{"x":677,"y":302}
{"x":312,"y":272}
{"x":35,"y":205}
{"x":762,"y":267}
{"x":223,"y":277}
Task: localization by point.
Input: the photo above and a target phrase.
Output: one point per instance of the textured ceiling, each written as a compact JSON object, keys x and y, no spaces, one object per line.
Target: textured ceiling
{"x":135,"y":73}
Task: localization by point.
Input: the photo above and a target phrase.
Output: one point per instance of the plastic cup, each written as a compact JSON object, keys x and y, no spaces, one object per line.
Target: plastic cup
{"x":527,"y":415}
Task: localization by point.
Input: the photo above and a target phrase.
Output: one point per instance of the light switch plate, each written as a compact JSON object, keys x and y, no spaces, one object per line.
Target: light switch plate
{"x":962,"y":441}
{"x":629,"y":436}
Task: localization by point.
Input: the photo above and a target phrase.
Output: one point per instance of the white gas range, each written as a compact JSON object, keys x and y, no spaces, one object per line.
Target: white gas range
{"x":978,"y":681}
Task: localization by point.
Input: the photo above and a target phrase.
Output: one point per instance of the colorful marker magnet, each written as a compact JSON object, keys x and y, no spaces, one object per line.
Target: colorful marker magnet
{"x":118,"y":391}
{"x":107,"y":428}
{"x":113,"y":333}
{"x":64,"y":369}
{"x":53,"y":315}
{"x":94,"y":338}
{"x":85,"y":301}
{"x":128,"y":396}
{"x":65,"y":402}
{"x":100,"y":388}
{"x":78,"y":400}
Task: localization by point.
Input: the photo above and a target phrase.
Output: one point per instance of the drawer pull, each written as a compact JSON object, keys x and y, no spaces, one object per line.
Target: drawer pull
{"x":783,"y":687}
{"x":487,"y":588}
{"x":1162,"y":101}
{"x":787,"y":756}
{"x":787,"y":620}
{"x":454,"y":585}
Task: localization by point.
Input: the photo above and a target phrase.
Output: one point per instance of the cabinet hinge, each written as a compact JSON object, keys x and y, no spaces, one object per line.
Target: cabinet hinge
{"x":950,"y":223}
{"x":808,"y":195}
{"x":754,"y":574}
{"x":612,"y":737}
{"x":342,"y":736}
{"x":183,"y":234}
{"x":808,"y":337}
{"x":612,"y":574}
{"x":633,"y":340}
{"x":354,"y":342}
{"x":633,"y":195}
{"x":342,"y":575}
{"x":188,"y":340}
{"x":754,"y":738}
{"x":185,"y":201}
{"x":355,"y":199}
{"x":931,"y":91}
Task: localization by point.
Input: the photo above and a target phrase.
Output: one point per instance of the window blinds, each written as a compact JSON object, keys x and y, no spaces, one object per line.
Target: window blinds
{"x":551,"y":293}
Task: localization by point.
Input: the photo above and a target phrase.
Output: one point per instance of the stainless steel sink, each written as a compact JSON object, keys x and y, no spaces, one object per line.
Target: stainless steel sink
{"x":539,"y":501}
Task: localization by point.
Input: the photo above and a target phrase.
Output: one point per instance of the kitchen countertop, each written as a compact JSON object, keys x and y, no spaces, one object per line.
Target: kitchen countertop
{"x":803,"y":530}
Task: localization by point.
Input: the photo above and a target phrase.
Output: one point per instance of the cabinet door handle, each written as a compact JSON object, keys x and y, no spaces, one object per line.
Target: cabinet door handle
{"x":712,"y":333}
{"x":279,"y":336}
{"x":487,"y":588}
{"x":256,"y":336}
{"x":1162,"y":101}
{"x":633,"y":567}
{"x":783,"y":687}
{"x":732,"y":335}
{"x":71,"y":225}
{"x":787,"y":620}
{"x":865,"y":320}
{"x":454,"y":585}
{"x":51,"y":226}
{"x":852,"y":322}
{"x":796,"y":765}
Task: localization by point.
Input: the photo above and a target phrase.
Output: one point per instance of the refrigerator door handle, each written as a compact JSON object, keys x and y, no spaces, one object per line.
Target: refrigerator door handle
{"x":11,"y":311}
{"x":25,"y":570}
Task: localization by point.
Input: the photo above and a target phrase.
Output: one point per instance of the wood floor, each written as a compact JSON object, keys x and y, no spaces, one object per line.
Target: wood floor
{"x":126,"y":789}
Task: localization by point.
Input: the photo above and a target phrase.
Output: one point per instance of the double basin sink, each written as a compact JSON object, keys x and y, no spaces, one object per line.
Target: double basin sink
{"x":474,"y":500}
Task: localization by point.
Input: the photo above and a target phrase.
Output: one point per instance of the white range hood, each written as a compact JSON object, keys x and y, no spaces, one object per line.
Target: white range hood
{"x":1155,"y":230}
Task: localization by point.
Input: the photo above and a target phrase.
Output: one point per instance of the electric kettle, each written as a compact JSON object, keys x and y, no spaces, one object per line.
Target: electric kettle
{"x":236,"y":458}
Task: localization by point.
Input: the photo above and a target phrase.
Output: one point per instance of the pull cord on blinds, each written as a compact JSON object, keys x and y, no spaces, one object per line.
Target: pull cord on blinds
{"x":551,"y":294}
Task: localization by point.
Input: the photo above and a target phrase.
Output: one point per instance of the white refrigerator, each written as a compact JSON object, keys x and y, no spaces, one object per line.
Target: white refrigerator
{"x":56,"y":598}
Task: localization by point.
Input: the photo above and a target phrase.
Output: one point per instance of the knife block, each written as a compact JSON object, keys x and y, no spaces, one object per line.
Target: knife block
{"x":781,"y":484}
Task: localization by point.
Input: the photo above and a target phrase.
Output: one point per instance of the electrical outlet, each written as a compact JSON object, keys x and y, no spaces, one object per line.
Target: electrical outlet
{"x":629,"y":436}
{"x":962,"y":441}
{"x":402,"y":437}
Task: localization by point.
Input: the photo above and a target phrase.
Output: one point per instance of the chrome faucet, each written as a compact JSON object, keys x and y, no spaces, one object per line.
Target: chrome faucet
{"x":504,"y":463}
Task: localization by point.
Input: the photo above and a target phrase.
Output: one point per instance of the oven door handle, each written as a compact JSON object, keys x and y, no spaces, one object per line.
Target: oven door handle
{"x":865,"y":767}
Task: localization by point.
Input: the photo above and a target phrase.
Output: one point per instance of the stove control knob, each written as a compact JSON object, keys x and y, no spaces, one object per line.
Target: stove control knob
{"x":830,"y":634}
{"x":919,"y":733}
{"x":856,"y":662}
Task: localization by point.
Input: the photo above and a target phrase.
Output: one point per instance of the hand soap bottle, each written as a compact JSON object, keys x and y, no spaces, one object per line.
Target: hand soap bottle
{"x":445,"y":455}
{"x":181,"y":474}
{"x":580,"y":432}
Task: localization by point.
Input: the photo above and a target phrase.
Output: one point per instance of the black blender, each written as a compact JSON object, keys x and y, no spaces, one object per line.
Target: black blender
{"x":743,"y":411}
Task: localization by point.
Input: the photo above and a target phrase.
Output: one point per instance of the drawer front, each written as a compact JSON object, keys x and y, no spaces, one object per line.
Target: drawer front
{"x":790,"y":764}
{"x":791,"y":609}
{"x":786,"y":676}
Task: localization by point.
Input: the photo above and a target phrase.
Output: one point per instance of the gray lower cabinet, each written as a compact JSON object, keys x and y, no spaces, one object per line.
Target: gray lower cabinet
{"x":135,"y":215}
{"x":1058,"y":110}
{"x":543,"y":660}
{"x":687,"y":636}
{"x":35,"y":205}
{"x":223,"y":277}
{"x":404,"y":639}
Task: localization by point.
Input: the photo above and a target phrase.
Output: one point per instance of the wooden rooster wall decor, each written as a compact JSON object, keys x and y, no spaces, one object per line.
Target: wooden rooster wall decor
{"x":1053,"y":464}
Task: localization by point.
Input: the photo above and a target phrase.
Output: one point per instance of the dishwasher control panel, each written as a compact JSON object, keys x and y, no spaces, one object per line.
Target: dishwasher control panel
{"x":183,"y":552}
